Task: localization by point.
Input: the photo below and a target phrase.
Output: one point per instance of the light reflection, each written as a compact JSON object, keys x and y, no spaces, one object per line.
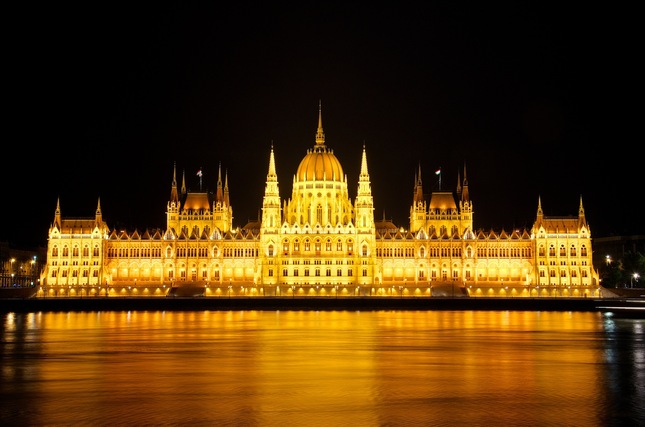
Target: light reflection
{"x":292,"y":367}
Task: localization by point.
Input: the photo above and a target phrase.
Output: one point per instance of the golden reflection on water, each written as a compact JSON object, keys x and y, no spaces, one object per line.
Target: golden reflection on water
{"x":303,"y":368}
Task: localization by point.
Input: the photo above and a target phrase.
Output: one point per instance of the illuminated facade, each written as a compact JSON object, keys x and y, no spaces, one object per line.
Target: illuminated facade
{"x":320,"y":243}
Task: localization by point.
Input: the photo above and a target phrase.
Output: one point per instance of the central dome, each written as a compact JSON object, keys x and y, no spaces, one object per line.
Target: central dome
{"x":320,"y":163}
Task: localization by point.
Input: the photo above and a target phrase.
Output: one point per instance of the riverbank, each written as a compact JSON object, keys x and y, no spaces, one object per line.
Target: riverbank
{"x":362,"y":304}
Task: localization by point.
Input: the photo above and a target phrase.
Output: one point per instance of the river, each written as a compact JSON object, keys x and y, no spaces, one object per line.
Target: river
{"x":322,"y":368}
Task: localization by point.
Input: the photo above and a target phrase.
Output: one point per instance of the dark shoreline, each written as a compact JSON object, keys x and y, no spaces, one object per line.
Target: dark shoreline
{"x":337,"y":304}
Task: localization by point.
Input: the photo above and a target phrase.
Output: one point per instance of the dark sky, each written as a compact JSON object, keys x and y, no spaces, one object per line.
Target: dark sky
{"x":537,"y":100}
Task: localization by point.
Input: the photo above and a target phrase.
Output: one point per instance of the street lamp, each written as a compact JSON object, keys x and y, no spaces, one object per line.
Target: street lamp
{"x":635,"y":276}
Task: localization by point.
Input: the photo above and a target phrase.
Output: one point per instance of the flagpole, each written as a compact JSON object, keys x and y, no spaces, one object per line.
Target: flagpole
{"x":199,"y":174}
{"x":438,"y":172}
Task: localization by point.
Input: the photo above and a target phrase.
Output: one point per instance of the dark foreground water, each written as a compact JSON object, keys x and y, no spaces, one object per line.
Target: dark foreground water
{"x":322,"y":368}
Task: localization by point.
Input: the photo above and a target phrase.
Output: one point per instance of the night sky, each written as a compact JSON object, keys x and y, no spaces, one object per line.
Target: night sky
{"x":537,"y":100}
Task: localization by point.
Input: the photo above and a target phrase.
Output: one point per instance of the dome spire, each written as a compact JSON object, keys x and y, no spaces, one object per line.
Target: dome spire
{"x":320,"y":136}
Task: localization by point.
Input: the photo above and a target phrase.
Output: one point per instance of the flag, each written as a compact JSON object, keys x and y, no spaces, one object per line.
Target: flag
{"x":438,"y":171}
{"x":199,"y":173}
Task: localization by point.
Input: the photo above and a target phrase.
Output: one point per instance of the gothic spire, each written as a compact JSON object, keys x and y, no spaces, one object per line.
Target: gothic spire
{"x":320,"y":135}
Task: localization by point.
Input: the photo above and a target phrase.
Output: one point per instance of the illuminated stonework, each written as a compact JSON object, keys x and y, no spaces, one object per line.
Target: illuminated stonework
{"x":320,"y":243}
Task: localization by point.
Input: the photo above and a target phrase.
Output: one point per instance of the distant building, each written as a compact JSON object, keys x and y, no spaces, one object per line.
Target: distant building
{"x":20,"y":267}
{"x":320,"y":243}
{"x":611,"y":248}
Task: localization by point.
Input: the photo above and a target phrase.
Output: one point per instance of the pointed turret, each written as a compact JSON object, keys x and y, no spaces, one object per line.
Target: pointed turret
{"x":418,"y":188}
{"x":418,"y":212}
{"x":271,"y":203}
{"x":174,"y":195}
{"x":226,"y":198}
{"x":57,"y":216}
{"x":99,"y":214}
{"x":539,"y":217}
{"x":172,"y":209}
{"x":582,"y":220}
{"x":219,"y":196}
{"x":364,"y":206}
{"x":465,"y":196}
{"x":320,"y":135}
{"x":465,"y":204}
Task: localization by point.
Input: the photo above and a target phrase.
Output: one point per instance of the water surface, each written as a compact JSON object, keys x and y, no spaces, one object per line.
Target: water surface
{"x":322,"y":368}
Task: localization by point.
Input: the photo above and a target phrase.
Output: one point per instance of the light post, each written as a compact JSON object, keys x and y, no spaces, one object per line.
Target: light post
{"x":634,"y":276}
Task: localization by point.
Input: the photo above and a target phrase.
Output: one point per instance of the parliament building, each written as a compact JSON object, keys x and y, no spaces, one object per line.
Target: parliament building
{"x":319,"y":243}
